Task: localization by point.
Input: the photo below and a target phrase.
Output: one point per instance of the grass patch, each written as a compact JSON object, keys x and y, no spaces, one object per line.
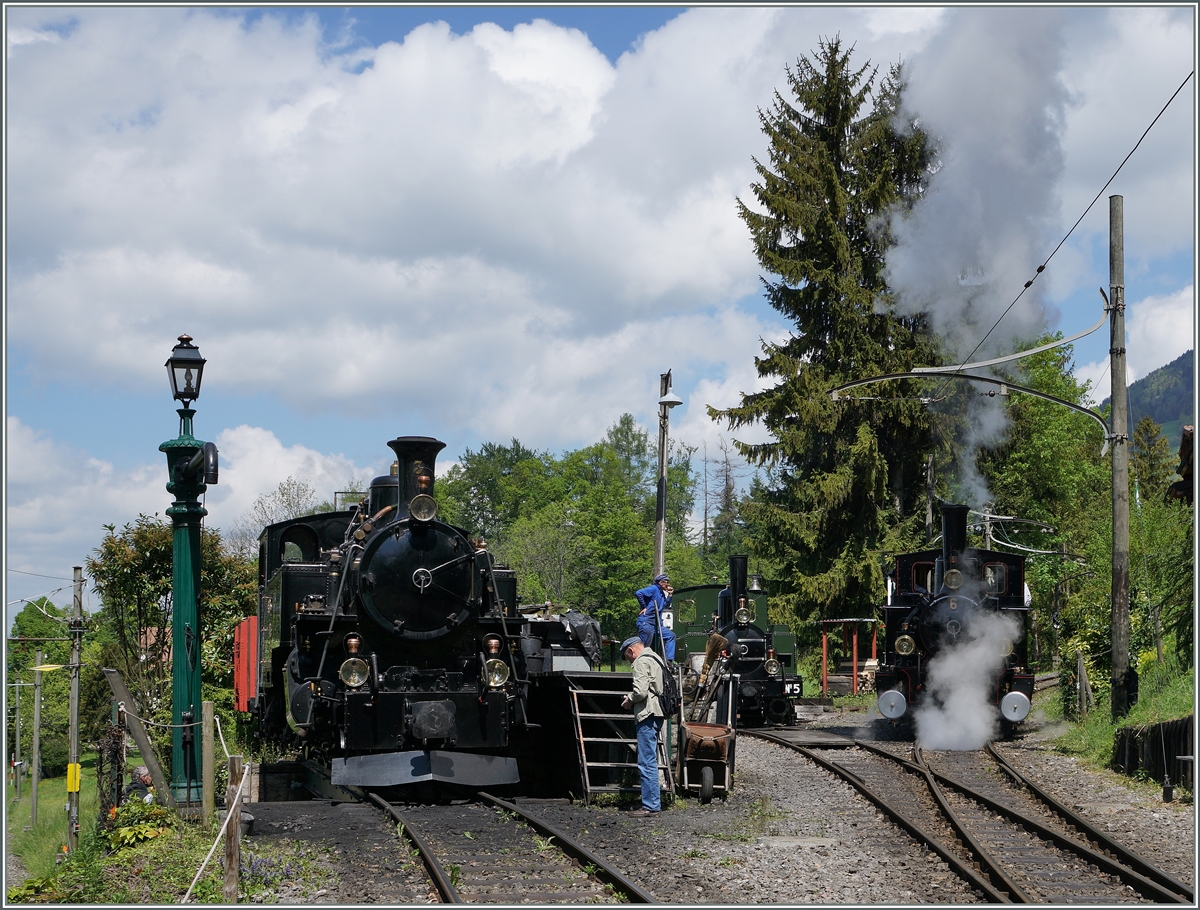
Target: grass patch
{"x":1165,"y":693}
{"x":39,"y":848}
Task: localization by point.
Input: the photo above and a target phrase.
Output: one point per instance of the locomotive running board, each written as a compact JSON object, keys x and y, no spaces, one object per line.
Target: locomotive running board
{"x":392,"y":769}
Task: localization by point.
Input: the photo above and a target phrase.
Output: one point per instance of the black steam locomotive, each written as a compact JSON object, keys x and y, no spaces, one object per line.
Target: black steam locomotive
{"x":956,"y":597}
{"x":391,"y":647}
{"x":762,"y":657}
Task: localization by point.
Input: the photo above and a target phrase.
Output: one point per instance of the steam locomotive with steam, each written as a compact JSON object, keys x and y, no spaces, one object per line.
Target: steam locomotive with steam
{"x":942,"y":601}
{"x":392,"y":648}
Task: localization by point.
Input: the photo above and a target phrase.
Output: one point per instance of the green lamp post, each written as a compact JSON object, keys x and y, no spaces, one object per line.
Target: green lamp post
{"x":191,"y":465}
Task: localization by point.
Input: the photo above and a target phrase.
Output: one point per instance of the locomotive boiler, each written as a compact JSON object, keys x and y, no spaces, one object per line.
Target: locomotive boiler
{"x":941,"y":601}
{"x":391,"y":646}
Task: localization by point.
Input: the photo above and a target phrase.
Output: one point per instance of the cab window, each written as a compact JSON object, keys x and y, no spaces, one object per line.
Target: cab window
{"x":922,"y":578}
{"x":995,"y":578}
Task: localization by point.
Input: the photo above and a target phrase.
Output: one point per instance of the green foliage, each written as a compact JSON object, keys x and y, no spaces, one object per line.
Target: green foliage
{"x":1151,"y":463}
{"x":41,"y":619}
{"x":131,"y":570}
{"x":136,"y":822}
{"x":848,"y":480}
{"x":577,"y":528}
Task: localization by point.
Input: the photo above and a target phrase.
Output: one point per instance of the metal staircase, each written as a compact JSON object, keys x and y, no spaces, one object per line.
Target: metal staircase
{"x":606,"y":739}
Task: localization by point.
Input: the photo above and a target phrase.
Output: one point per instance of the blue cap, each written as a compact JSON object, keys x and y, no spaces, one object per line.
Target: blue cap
{"x":658,"y":578}
{"x":630,"y":642}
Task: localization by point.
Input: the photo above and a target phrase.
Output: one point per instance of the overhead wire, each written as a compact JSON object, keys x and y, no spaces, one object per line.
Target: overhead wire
{"x":39,"y":575}
{"x":1041,"y":268}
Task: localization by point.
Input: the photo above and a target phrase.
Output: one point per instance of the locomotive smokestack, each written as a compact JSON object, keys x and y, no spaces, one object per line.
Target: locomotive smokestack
{"x":417,"y":457}
{"x":737,"y":582}
{"x":954,"y":531}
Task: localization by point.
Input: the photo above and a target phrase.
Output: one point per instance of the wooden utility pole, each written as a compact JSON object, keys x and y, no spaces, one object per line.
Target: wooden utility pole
{"x":17,"y":754}
{"x":37,"y":740}
{"x":1119,"y":430}
{"x":74,"y":771}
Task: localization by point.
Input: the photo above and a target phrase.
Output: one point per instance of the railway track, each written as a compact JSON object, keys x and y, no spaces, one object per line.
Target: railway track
{"x":489,"y":850}
{"x":1008,"y":840}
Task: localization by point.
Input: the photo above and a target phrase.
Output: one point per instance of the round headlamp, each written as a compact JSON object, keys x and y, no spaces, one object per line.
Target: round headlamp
{"x":1006,"y":648}
{"x":953,"y":579}
{"x":423,"y":507}
{"x":497,"y":673}
{"x":354,"y":672}
{"x":771,"y":665}
{"x":742,"y":615}
{"x":905,"y":645}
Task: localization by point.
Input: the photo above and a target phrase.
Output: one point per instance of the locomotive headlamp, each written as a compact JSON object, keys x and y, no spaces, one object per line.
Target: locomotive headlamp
{"x":905,"y":645}
{"x":497,"y":673}
{"x":953,"y":579}
{"x":1006,"y":648}
{"x":423,"y":507}
{"x":742,"y":616}
{"x":354,"y":672}
{"x":771,"y":665}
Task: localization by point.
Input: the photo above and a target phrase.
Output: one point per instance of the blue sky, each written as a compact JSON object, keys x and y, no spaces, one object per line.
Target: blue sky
{"x":482,"y":223}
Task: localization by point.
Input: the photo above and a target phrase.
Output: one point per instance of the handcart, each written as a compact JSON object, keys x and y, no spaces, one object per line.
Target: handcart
{"x":706,"y":749}
{"x":705,"y":759}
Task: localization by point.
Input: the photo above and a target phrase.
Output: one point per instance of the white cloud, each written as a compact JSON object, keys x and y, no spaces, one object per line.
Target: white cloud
{"x":498,"y":233}
{"x":18,"y":36}
{"x":48,"y":480}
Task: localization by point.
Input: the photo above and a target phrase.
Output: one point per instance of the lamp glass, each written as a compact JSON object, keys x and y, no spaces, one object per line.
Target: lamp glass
{"x":185,"y":368}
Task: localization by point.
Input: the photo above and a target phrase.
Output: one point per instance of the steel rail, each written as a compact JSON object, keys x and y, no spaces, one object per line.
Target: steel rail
{"x":1132,"y":872}
{"x":982,"y":855}
{"x":437,"y":874}
{"x":955,"y":862}
{"x":1119,"y":850}
{"x":569,"y":845}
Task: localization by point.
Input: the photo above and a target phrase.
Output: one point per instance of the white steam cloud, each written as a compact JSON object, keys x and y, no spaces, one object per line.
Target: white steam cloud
{"x":988,"y":90}
{"x":957,"y":713}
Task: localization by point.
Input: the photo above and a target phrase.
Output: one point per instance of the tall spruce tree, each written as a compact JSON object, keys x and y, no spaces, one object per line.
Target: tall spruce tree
{"x":849,"y":479}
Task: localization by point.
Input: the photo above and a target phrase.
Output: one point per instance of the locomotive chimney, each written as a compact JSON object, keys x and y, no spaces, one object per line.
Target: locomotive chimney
{"x":417,"y":457}
{"x":954,"y":531}
{"x":737,"y":584}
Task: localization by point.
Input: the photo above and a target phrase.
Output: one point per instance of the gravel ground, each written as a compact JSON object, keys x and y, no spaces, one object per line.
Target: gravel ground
{"x":788,"y":833}
{"x":14,"y":870}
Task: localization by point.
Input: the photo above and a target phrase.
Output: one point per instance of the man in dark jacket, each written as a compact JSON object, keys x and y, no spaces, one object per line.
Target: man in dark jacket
{"x":653,"y":599}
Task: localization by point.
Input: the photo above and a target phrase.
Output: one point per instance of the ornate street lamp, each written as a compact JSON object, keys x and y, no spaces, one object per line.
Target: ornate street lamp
{"x":191,"y":466}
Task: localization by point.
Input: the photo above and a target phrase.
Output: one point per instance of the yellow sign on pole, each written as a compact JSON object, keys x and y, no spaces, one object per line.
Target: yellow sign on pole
{"x":73,"y":776}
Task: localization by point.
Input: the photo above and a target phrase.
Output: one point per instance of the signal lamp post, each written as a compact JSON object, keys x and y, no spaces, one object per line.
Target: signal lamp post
{"x":667,"y":400}
{"x":191,"y":465}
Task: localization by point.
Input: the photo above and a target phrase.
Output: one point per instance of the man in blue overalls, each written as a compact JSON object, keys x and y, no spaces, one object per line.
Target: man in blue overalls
{"x":653,"y":599}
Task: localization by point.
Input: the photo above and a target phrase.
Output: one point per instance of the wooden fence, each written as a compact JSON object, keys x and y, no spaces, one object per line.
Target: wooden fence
{"x":1156,"y":750}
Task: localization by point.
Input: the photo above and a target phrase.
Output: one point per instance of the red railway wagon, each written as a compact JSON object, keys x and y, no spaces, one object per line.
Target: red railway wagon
{"x":245,"y":662}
